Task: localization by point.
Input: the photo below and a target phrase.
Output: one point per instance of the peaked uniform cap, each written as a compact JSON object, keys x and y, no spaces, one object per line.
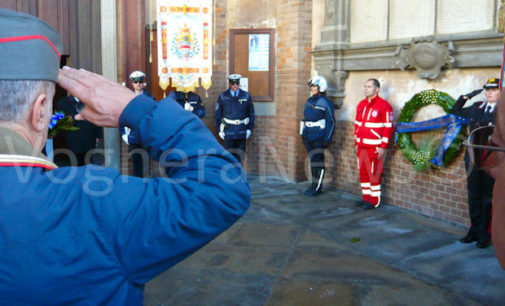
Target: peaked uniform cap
{"x":492,"y":83}
{"x":234,"y":77}
{"x":137,"y":75}
{"x":29,"y":48}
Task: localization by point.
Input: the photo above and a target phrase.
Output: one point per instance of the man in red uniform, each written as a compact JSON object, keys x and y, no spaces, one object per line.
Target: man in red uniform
{"x":372,"y":130}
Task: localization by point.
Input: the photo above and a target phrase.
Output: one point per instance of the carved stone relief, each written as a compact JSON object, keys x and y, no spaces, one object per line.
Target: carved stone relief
{"x":427,"y":56}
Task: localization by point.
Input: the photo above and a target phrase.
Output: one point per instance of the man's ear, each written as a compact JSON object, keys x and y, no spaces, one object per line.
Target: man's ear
{"x":40,"y":113}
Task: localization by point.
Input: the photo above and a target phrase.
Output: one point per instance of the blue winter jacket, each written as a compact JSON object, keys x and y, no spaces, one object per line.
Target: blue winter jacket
{"x":91,"y":236}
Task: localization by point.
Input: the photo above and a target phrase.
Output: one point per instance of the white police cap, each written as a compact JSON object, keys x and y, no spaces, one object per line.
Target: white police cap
{"x":235,"y":76}
{"x":137,"y":75}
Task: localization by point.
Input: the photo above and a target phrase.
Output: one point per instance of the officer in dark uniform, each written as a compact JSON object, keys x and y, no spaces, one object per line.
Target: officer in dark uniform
{"x":234,"y":117}
{"x":190,"y":101}
{"x":480,"y":184}
{"x":140,"y":157}
{"x":86,"y":137}
{"x":317,"y":130}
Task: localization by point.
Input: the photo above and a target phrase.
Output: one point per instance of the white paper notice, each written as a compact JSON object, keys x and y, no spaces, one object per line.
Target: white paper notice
{"x":244,"y":84}
{"x":455,"y":16}
{"x":259,"y":48}
{"x":412,"y":18}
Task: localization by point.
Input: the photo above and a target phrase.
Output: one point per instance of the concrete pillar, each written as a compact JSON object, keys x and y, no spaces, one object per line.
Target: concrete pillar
{"x":328,"y":54}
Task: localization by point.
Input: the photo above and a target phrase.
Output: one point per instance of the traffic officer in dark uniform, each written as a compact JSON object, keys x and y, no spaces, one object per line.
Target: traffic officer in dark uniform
{"x":190,"y":101}
{"x":480,"y":184}
{"x":234,"y":117}
{"x":91,"y":234}
{"x":140,"y":157}
{"x":316,"y":130}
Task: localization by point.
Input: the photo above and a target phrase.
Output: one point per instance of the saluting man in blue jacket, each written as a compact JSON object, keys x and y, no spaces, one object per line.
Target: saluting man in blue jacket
{"x":317,"y":130}
{"x":234,"y":117}
{"x":89,"y":235}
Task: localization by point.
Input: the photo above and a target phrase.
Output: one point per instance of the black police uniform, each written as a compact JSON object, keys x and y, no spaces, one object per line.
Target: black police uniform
{"x":479,"y":183}
{"x":84,"y":139}
{"x":234,"y":115}
{"x":189,"y":99}
{"x":317,"y":131}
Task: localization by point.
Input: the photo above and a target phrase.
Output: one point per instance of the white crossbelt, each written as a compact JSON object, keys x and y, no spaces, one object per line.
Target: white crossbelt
{"x":321,"y":123}
{"x":236,"y":121}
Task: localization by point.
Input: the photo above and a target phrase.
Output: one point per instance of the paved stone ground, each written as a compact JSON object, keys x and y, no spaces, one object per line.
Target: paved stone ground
{"x":290,"y":249}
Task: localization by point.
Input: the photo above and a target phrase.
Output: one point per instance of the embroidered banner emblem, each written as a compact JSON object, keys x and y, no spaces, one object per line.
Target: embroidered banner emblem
{"x":184,"y":44}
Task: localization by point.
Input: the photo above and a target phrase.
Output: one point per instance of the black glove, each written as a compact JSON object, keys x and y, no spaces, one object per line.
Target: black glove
{"x":326,"y":144}
{"x":474,"y":93}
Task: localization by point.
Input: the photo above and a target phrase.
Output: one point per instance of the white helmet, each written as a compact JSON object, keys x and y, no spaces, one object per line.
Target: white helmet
{"x":320,"y":82}
{"x":137,"y":75}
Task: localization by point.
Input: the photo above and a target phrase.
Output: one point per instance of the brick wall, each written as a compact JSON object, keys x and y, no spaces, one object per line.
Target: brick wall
{"x":437,"y":193}
{"x":294,"y":34}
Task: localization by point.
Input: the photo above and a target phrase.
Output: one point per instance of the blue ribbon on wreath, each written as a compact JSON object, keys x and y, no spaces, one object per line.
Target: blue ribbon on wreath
{"x":453,"y":124}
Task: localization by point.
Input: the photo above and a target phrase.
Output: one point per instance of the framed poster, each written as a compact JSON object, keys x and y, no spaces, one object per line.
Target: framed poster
{"x":252,"y":56}
{"x":259,"y":48}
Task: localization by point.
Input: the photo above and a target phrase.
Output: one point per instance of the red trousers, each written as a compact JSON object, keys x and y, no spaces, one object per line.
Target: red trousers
{"x":370,"y":174}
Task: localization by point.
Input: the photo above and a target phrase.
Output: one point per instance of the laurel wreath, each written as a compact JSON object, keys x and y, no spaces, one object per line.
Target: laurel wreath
{"x":421,"y":156}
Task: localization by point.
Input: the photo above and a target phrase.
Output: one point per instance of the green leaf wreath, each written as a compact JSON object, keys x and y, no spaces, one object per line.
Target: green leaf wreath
{"x":421,"y":156}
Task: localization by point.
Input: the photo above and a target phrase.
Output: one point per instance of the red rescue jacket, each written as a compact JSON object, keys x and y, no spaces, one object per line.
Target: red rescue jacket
{"x":374,"y":123}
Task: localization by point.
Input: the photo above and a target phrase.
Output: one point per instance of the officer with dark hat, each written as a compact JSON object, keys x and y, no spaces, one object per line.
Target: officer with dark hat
{"x":316,"y":130}
{"x":479,"y":183}
{"x":90,"y":235}
{"x":190,"y":101}
{"x":234,"y":117}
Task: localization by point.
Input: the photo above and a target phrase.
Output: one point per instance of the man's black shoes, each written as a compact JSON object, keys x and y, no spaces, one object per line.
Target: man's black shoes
{"x":313,"y":192}
{"x":468,"y":239}
{"x":361,"y":203}
{"x":482,"y":244}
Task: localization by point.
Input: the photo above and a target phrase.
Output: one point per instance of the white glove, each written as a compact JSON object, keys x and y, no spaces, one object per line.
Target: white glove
{"x":221,"y":134}
{"x":248,"y":134}
{"x":126,"y":134}
{"x":188,"y":107}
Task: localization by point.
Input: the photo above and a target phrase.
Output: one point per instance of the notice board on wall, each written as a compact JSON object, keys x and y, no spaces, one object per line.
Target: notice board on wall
{"x":252,"y":56}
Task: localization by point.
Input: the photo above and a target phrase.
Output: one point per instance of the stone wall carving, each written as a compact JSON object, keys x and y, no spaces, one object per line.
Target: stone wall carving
{"x":427,"y":56}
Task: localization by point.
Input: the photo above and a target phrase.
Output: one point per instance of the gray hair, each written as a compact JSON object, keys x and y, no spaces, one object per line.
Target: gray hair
{"x":16,"y":97}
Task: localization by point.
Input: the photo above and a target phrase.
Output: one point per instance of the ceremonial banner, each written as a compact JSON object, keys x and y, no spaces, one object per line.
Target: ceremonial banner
{"x":184,"y":43}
